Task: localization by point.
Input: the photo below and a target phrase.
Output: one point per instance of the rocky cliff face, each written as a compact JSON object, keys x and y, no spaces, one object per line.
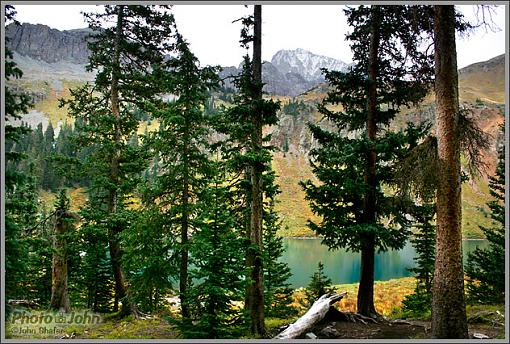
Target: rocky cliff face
{"x":41,"y":42}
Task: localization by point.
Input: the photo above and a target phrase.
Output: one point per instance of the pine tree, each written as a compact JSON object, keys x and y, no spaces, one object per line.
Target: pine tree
{"x":485,"y":268}
{"x":423,"y":241}
{"x":149,"y":257}
{"x":249,"y":160}
{"x":181,"y":145}
{"x":218,"y":256}
{"x":319,"y":285}
{"x":20,"y":201}
{"x":48,"y":181}
{"x":449,"y":318}
{"x":127,"y":57}
{"x":35,"y":281}
{"x":359,"y":159}
{"x":95,"y":285}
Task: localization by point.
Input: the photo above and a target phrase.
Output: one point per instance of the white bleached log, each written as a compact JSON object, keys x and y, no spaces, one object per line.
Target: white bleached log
{"x":315,"y":314}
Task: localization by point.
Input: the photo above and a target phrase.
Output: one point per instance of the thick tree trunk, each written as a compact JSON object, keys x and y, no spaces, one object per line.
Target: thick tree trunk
{"x":366,"y":287}
{"x":448,"y":304}
{"x":254,"y":259}
{"x":365,"y":304}
{"x":59,"y":292}
{"x":315,"y":314}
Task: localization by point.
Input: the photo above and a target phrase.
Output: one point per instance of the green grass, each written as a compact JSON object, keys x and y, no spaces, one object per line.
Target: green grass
{"x":152,"y":327}
{"x":129,"y":328}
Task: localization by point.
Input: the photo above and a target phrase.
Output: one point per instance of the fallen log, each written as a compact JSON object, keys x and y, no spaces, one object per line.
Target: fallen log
{"x":315,"y":314}
{"x":24,"y":303}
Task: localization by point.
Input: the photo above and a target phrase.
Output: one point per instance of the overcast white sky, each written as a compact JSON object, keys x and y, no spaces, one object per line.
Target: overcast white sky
{"x":320,"y":29}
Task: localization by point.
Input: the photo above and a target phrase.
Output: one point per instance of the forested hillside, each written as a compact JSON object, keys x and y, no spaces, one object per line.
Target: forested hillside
{"x":481,"y":89}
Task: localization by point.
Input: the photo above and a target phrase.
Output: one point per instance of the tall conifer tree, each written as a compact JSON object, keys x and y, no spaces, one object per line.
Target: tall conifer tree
{"x":448,"y":301}
{"x":126,"y":56}
{"x":390,"y":72}
{"x":250,"y":160}
{"x":20,"y":200}
{"x":181,"y":149}
{"x":218,"y":256}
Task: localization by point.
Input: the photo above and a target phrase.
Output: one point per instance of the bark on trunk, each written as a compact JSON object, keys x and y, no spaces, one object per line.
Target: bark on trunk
{"x":59,"y":291}
{"x":365,"y":305}
{"x":256,"y":289}
{"x":315,"y":314}
{"x":448,"y":304}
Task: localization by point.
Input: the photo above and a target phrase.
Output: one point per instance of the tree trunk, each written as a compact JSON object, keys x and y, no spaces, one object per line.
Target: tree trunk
{"x":59,"y":292}
{"x":113,"y":232}
{"x":183,"y":269}
{"x":365,"y":304}
{"x":315,"y":314}
{"x":366,"y":285}
{"x":448,"y":304}
{"x":254,"y":259}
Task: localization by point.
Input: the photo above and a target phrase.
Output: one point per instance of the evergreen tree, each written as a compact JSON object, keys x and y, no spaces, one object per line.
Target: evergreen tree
{"x":449,"y":318}
{"x":249,"y":160}
{"x":95,"y":285}
{"x":20,"y":201}
{"x":218,"y":256}
{"x":48,"y":181}
{"x":62,"y":233}
{"x":35,"y":282}
{"x":181,"y":148}
{"x":319,"y":285}
{"x":149,"y":257}
{"x":127,"y":57}
{"x":277,"y":291}
{"x":423,"y":241}
{"x":355,"y":162}
{"x":485,"y":268}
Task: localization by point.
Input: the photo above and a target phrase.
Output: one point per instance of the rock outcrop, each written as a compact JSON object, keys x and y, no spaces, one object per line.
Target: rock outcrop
{"x":41,"y":42}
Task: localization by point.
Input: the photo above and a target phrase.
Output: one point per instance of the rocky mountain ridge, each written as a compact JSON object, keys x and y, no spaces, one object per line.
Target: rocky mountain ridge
{"x":43,"y":43}
{"x":290,"y":72}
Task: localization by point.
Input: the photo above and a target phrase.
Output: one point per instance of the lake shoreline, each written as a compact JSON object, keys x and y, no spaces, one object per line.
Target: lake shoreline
{"x":302,"y":255}
{"x":319,"y":237}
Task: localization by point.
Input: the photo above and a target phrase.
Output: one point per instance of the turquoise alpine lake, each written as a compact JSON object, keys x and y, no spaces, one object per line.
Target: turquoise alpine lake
{"x":303,"y":256}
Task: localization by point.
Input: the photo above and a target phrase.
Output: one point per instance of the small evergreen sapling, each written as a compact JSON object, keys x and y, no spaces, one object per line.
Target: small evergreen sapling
{"x":319,"y":285}
{"x":420,"y":302}
{"x":277,"y":290}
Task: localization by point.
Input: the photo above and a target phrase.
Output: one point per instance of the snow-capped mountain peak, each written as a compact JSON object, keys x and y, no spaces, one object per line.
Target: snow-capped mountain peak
{"x":306,"y":63}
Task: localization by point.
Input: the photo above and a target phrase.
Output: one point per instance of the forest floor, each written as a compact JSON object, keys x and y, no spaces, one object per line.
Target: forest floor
{"x":483,"y":320}
{"x":334,"y":326}
{"x":388,"y":296}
